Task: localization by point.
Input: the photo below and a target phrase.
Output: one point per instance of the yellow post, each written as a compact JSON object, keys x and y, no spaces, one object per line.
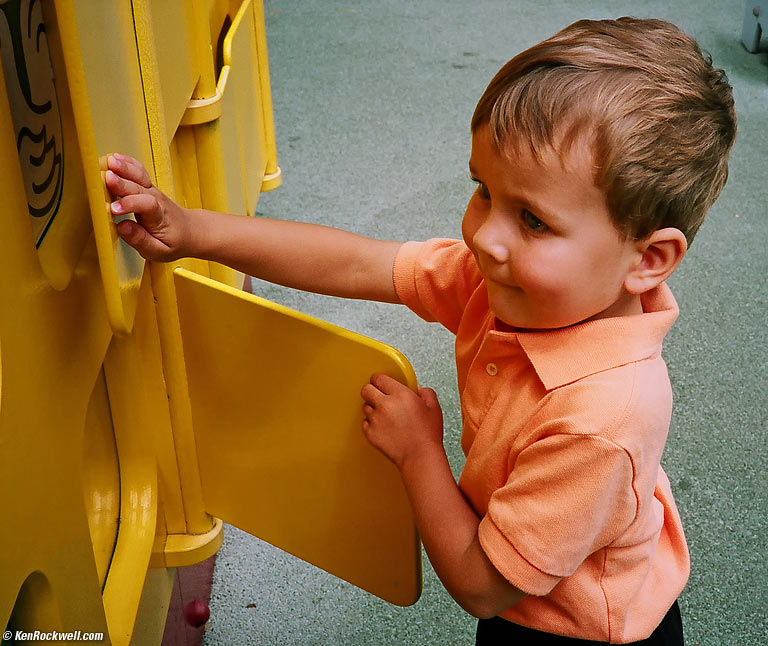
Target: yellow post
{"x":272,"y":172}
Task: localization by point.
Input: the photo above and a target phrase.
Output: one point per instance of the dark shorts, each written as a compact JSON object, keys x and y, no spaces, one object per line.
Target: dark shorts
{"x":498,"y":631}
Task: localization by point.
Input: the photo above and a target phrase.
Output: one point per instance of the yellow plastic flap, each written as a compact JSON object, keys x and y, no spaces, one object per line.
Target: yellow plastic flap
{"x":277,"y":419}
{"x":108,"y":117}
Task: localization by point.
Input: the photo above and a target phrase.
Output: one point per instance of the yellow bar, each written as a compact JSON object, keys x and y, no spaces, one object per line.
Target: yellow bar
{"x":198,"y":522}
{"x":182,"y":550}
{"x":272,"y":172}
{"x":138,"y":487}
{"x":145,"y":39}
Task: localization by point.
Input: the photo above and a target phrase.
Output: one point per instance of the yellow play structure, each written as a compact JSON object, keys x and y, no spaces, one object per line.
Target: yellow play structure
{"x":142,"y":404}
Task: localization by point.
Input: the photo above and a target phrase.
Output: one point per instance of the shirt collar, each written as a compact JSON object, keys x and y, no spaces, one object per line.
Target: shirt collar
{"x":566,"y":355}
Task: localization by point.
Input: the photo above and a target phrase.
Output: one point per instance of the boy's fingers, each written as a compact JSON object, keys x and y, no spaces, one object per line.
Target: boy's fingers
{"x":429,"y":397}
{"x":371,"y":394}
{"x":385,"y":383}
{"x":138,"y":237}
{"x":130,"y":168}
{"x":144,"y":205}
{"x":121,"y":187}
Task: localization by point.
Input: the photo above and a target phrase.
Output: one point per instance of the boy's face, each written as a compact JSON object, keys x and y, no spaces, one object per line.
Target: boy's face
{"x":543,"y":238}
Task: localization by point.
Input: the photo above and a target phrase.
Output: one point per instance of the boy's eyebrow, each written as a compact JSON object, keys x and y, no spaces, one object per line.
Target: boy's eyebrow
{"x":532,"y":206}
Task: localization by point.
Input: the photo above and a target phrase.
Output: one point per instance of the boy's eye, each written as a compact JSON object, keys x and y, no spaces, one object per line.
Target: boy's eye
{"x":482,"y":189}
{"x":532,"y":222}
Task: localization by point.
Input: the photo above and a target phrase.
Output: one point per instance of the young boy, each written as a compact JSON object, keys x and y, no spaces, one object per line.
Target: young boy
{"x":597,"y":154}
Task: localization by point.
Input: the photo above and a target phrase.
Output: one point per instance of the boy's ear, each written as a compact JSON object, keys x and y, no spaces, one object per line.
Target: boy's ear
{"x":659,"y":254}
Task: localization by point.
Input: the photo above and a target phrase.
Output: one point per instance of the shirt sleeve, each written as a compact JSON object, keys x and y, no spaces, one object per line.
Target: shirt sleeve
{"x":566,"y":497}
{"x":436,"y":279}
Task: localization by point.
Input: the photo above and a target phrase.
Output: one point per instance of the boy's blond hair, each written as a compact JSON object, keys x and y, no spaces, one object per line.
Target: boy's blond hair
{"x":660,"y":119}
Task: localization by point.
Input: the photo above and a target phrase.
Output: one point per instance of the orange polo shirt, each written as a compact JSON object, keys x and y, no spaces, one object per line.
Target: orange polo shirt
{"x":563,"y":433}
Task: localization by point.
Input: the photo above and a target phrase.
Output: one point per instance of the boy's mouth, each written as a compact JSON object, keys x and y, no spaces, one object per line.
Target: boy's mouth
{"x":499,"y":284}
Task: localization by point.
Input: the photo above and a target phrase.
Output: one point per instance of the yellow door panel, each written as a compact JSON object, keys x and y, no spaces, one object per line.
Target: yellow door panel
{"x":277,"y":415}
{"x":245,"y":146}
{"x":109,"y":116}
{"x":168,"y":28}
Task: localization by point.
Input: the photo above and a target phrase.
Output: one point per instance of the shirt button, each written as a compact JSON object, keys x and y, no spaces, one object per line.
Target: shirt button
{"x":492,"y":369}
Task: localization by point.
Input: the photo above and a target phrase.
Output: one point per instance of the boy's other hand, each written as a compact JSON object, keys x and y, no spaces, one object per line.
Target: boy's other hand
{"x":161,"y":231}
{"x":400,"y":423}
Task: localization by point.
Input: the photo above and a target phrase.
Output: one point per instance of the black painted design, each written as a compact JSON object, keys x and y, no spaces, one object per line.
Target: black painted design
{"x":31,"y":88}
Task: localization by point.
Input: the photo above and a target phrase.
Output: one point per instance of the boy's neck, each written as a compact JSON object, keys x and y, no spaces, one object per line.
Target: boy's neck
{"x":627,"y":305}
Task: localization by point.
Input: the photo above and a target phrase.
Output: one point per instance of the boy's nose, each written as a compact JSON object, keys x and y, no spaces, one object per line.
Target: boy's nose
{"x":491,"y":242}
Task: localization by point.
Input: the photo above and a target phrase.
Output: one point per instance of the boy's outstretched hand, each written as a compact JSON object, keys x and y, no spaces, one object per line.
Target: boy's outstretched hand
{"x":400,"y":423}
{"x":161,"y":231}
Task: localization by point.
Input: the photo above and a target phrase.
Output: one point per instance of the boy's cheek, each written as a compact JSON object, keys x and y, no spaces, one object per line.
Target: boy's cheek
{"x":469,"y":225}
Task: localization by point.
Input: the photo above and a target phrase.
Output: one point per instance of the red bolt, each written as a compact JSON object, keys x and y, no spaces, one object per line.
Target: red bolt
{"x":196,"y":613}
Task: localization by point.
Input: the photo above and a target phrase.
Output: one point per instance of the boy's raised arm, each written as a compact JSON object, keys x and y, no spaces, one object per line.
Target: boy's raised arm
{"x":309,"y":257}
